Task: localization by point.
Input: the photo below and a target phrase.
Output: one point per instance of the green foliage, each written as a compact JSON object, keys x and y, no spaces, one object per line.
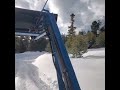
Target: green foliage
{"x":38,"y":45}
{"x":102,"y":29}
{"x":48,"y":48}
{"x":70,"y":40}
{"x":32,"y":45}
{"x":100,"y":40}
{"x":95,"y":27}
{"x":76,"y":45}
{"x":81,"y":33}
{"x":23,"y":44}
{"x":19,"y":44}
{"x":71,"y":28}
{"x":90,"y":36}
{"x":64,"y":38}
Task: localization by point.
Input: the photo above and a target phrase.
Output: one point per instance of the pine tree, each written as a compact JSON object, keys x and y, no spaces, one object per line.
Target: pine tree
{"x":17,"y":45}
{"x":82,"y":44}
{"x":71,"y":31}
{"x":48,"y":48}
{"x":41,"y":44}
{"x":102,"y":29}
{"x":90,"y":39}
{"x":71,"y":34}
{"x":64,"y":38}
{"x":79,"y":45}
{"x":22,"y":45}
{"x":80,"y":33}
{"x":38,"y":45}
{"x":95,"y":27}
{"x":75,"y":44}
{"x":100,"y":40}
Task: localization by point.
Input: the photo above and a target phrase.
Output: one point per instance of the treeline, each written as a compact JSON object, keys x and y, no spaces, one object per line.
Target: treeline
{"x":79,"y":43}
{"x":76,"y":43}
{"x":25,"y":43}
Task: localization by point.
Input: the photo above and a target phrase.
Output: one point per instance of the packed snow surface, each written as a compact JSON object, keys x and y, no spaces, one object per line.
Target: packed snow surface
{"x":35,"y":70}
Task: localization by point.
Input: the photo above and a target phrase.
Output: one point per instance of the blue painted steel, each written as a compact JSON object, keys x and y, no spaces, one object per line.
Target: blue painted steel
{"x":56,"y":64}
{"x":67,"y":63}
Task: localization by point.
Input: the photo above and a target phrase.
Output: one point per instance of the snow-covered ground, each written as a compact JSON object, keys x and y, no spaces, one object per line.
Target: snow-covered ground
{"x":35,"y":71}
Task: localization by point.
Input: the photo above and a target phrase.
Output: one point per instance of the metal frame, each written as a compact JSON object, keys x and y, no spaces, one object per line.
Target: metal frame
{"x":67,"y":79}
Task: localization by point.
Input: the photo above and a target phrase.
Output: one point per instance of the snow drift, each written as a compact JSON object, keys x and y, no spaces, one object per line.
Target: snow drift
{"x":35,"y":71}
{"x":95,"y":52}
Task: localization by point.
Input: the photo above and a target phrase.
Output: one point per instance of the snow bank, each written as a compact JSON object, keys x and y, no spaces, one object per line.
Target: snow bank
{"x":47,"y":70}
{"x":28,"y":55}
{"x":95,"y":52}
{"x":26,"y":74}
{"x":29,"y":84}
{"x":90,"y":72}
{"x":35,"y":71}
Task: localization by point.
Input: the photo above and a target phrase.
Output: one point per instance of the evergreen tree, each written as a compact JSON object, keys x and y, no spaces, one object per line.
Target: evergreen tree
{"x":102,"y":29}
{"x":81,"y":33}
{"x":71,"y":31}
{"x":48,"y":48}
{"x":38,"y":45}
{"x":26,"y":42}
{"x":19,"y":44}
{"x":75,"y":44}
{"x":95,"y":27}
{"x":90,"y":39}
{"x":82,"y":44}
{"x":32,"y":45}
{"x":41,"y":44}
{"x":71,"y":34}
{"x":79,"y":46}
{"x":64,"y":38}
{"x":100,"y":40}
{"x":22,"y":46}
{"x":68,"y":43}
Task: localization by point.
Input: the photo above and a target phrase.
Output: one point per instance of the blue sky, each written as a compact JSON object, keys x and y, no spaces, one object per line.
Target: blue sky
{"x":85,"y":10}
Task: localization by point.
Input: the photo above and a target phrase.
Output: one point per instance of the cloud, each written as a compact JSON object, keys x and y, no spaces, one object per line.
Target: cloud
{"x":22,"y":4}
{"x":85,"y":11}
{"x":30,"y":4}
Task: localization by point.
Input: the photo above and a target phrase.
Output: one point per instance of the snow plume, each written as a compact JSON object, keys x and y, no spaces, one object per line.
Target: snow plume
{"x":85,"y":10}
